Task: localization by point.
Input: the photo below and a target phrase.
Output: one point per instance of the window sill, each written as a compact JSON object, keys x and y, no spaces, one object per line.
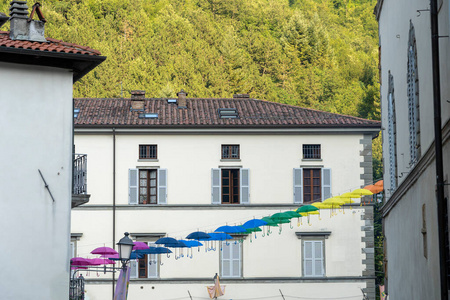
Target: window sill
{"x":312,"y":159}
{"x":230,"y":159}
{"x":148,"y":160}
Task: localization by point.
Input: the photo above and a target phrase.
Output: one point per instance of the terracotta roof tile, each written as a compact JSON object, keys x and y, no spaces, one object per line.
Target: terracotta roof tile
{"x":52,"y":45}
{"x":203,"y":112}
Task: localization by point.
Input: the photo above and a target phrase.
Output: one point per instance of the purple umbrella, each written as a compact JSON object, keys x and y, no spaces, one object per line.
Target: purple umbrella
{"x":79,"y":261}
{"x":140,"y":246}
{"x":104,"y":251}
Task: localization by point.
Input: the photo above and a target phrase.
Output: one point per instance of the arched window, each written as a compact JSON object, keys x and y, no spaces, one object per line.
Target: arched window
{"x":413,"y":99}
{"x":392,"y":135}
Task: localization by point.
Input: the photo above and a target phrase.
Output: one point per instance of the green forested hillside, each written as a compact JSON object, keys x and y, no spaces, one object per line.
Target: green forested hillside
{"x":320,"y":54}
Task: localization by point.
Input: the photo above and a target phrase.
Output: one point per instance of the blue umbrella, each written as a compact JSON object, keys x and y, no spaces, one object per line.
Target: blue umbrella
{"x":191,"y":244}
{"x":167,"y":241}
{"x":231,"y":229}
{"x":198,"y":235}
{"x":219,"y":236}
{"x":154,"y":250}
{"x":254,"y":223}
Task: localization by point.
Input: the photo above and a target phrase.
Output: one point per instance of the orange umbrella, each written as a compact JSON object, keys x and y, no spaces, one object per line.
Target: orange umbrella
{"x":374,"y":189}
{"x":379,"y":183}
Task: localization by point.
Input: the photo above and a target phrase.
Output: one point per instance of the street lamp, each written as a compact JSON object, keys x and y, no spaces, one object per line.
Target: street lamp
{"x":125,"y":246}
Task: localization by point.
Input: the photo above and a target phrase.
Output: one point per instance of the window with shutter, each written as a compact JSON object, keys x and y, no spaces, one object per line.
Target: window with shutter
{"x":392,"y":132}
{"x":313,"y":258}
{"x":413,"y":99}
{"x":230,"y":186}
{"x":312,"y":185}
{"x":147,"y":186}
{"x":231,"y":259}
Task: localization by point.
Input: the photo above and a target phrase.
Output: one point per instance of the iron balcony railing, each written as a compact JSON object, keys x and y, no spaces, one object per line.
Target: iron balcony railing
{"x":76,"y":288}
{"x":79,"y":174}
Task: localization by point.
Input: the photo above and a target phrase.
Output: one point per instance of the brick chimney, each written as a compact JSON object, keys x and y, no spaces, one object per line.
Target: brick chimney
{"x":137,"y":100}
{"x":182,"y":99}
{"x":24,"y":27}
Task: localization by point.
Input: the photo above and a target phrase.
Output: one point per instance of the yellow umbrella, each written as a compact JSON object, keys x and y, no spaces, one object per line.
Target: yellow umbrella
{"x":362,"y":192}
{"x":335,"y":203}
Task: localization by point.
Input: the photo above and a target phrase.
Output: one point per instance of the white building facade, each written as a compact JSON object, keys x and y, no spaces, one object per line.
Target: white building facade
{"x":36,"y":122}
{"x":169,"y":167}
{"x":410,"y":215}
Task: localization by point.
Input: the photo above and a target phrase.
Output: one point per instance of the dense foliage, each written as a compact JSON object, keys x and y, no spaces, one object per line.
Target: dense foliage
{"x":320,"y":54}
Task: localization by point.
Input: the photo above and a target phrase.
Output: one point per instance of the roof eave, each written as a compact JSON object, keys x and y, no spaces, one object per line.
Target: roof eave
{"x":80,"y":64}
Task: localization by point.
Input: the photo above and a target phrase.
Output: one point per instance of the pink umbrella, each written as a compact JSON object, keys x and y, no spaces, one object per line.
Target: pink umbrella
{"x":104,"y":251}
{"x":110,"y":256}
{"x":140,"y":246}
{"x":79,"y":261}
{"x":101,"y":261}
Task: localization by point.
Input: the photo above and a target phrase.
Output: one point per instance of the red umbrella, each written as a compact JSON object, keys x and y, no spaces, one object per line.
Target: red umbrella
{"x":104,"y":251}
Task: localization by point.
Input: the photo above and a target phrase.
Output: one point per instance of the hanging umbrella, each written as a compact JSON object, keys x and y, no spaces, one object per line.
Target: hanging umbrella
{"x":134,"y":255}
{"x":154,"y":250}
{"x":140,"y":246}
{"x":374,"y":189}
{"x":167,"y":241}
{"x":379,"y":183}
{"x":104,"y":251}
{"x":219,"y":236}
{"x":191,"y":244}
{"x":197,"y":235}
{"x":292,"y":214}
{"x":80,"y":261}
{"x":362,"y":192}
{"x":306,"y":209}
{"x":321,"y":205}
{"x":101,"y":261}
{"x":270,"y":222}
{"x":254,"y":223}
{"x":231,"y":229}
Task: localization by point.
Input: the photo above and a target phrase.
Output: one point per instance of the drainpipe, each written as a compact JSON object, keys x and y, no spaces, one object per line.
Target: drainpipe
{"x":114,"y":201}
{"x":438,"y":148}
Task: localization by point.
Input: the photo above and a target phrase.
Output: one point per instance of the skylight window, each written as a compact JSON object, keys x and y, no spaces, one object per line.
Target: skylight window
{"x":76,"y":111}
{"x":228,"y":113}
{"x":148,"y":116}
{"x":171,"y":100}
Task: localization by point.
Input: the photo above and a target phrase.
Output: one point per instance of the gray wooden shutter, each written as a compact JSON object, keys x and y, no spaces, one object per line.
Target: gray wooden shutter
{"x":162,"y":186}
{"x":326,"y":183}
{"x":133,"y":268}
{"x":245,"y":186}
{"x":298,"y":185}
{"x":226,"y":259}
{"x":308,"y":258}
{"x":153,"y":265}
{"x":133,"y":186}
{"x":215,"y":186}
{"x":236,"y":259}
{"x":391,"y":138}
{"x":318,"y":258}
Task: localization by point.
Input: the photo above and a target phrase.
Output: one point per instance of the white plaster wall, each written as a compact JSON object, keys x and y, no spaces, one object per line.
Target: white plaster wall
{"x":189,"y":159}
{"x":276,"y":255}
{"x":303,"y":290}
{"x":36,"y":133}
{"x":394,"y":25}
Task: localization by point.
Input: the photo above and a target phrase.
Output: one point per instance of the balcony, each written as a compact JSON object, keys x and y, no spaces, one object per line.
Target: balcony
{"x":76,"y":289}
{"x":79,"y":183}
